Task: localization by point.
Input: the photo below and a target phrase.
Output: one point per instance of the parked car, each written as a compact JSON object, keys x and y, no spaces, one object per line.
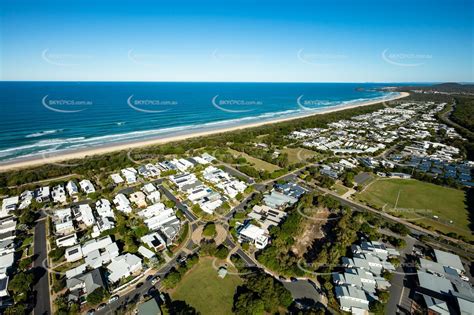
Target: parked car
{"x":113,"y":299}
{"x":91,"y":312}
{"x":101,"y":306}
{"x":155,"y":280}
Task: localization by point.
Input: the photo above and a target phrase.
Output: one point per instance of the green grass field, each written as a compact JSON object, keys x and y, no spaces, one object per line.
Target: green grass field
{"x":420,"y":202}
{"x":205,"y":291}
{"x":298,"y":155}
{"x":257,"y":163}
{"x":340,"y":189}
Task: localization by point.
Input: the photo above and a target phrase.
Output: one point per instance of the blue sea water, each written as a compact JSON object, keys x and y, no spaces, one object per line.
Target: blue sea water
{"x":47,"y":118}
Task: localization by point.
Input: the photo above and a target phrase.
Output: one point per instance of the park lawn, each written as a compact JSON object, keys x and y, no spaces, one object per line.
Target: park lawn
{"x":298,"y":155}
{"x":420,"y":201}
{"x":340,"y":189}
{"x":257,"y":163}
{"x":205,"y":291}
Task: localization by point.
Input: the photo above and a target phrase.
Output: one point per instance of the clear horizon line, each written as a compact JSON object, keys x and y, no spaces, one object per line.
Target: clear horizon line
{"x":275,"y":82}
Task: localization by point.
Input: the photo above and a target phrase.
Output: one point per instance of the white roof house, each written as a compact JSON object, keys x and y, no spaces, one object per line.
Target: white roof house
{"x":63,"y":223}
{"x":123,"y":266}
{"x":163,"y":217}
{"x":154,"y":197}
{"x":104,"y":209}
{"x":148,"y":188}
{"x":152,"y":210}
{"x":130,"y":175}
{"x":42,"y":194}
{"x":6,"y":261}
{"x":71,"y":273}
{"x":154,"y":241}
{"x":96,"y":244}
{"x":58,"y":194}
{"x":71,"y":188}
{"x":87,"y":217}
{"x":86,"y":186}
{"x":25,"y":199}
{"x":9,"y":204}
{"x":67,"y":241}
{"x":7,"y":224}
{"x":117,"y":178}
{"x":253,"y":234}
{"x":145,"y":252}
{"x":122,"y":203}
{"x":73,"y":253}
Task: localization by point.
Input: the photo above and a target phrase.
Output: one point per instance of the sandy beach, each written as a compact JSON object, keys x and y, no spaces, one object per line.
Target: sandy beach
{"x":126,"y":146}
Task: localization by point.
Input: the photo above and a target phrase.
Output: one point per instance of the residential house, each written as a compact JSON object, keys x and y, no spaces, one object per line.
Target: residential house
{"x":122,"y":203}
{"x":253,"y":234}
{"x":86,"y":186}
{"x":71,"y":188}
{"x":42,"y":194}
{"x":58,"y":194}
{"x":123,"y":266}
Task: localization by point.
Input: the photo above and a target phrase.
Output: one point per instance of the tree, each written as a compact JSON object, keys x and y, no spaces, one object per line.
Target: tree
{"x":21,"y":285}
{"x":247,"y":304}
{"x":400,"y":229}
{"x":171,"y":279}
{"x":16,"y":309}
{"x":222,"y":252}
{"x":96,"y":296}
{"x":209,"y":230}
{"x":261,"y":293}
{"x":377,"y":307}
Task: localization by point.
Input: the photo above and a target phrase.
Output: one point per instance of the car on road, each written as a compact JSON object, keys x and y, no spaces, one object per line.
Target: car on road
{"x":155,"y":280}
{"x":91,"y":312}
{"x":101,"y":306}
{"x":150,"y":277}
{"x":113,"y":299}
{"x":139,"y":284}
{"x":182,"y":259}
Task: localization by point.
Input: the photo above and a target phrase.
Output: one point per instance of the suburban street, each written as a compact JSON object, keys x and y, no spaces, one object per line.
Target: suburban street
{"x":42,"y":306}
{"x":398,"y":291}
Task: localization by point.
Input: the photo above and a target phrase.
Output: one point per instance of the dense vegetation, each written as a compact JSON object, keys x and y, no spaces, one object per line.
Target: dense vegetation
{"x":463,"y":113}
{"x":260,"y":294}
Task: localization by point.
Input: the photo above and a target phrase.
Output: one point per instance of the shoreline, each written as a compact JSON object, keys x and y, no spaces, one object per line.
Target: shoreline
{"x":35,"y":161}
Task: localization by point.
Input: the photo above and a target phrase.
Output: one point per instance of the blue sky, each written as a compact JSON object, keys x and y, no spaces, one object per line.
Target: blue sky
{"x":282,"y":41}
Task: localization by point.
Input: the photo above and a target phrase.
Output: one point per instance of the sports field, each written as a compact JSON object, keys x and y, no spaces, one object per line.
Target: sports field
{"x":442,"y":208}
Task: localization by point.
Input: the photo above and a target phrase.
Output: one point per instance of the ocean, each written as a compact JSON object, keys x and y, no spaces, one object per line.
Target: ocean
{"x":48,"y":118}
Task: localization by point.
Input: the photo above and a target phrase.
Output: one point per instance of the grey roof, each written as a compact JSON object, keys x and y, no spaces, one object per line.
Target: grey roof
{"x":91,"y":280}
{"x":431,"y":266}
{"x":448,"y":259}
{"x":434,"y":283}
{"x":438,"y":306}
{"x":149,"y":307}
